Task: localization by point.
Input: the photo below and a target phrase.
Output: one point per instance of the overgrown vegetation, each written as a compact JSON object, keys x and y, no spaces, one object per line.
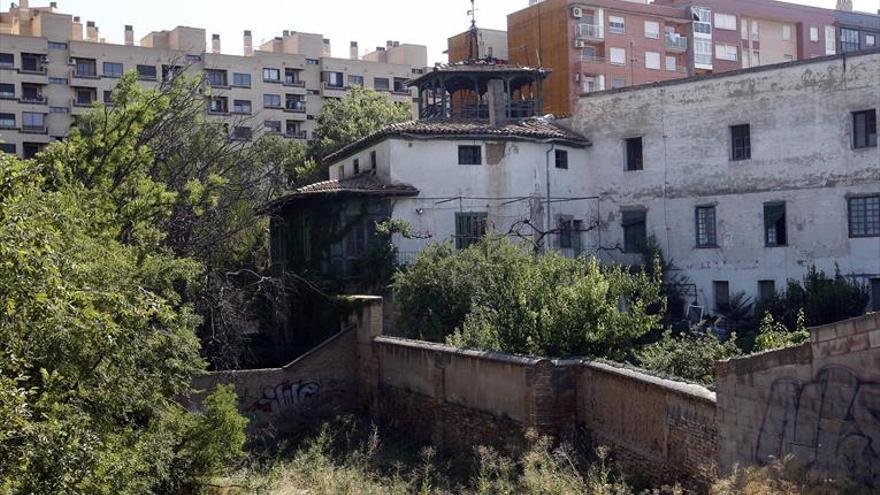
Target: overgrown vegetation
{"x":689,"y":356}
{"x":784,"y":477}
{"x":350,"y":456}
{"x":98,"y":315}
{"x":494,"y":295}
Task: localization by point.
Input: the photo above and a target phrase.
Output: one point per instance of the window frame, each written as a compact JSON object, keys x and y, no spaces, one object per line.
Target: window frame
{"x":706,"y":232}
{"x":475,"y":157}
{"x":630,"y":163}
{"x":470,"y":227}
{"x":868,"y":221}
{"x":272,"y":96}
{"x":659,"y":65}
{"x":622,"y":24}
{"x":767,"y":225}
{"x":868,"y":139}
{"x":616,"y":49}
{"x":242,"y":75}
{"x":741,"y":151}
{"x":638,"y":224}
{"x":268,"y":71}
{"x":247,"y":107}
{"x":147,"y":77}
{"x":561,"y":159}
{"x":106,"y":73}
{"x":654,"y":35}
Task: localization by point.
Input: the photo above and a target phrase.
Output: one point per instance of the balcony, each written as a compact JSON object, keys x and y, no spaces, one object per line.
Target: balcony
{"x":293,"y":83}
{"x":83,"y":103}
{"x":84,"y":74}
{"x":296,"y":134}
{"x":590,"y":32}
{"x":34,"y":129}
{"x":296,"y":107}
{"x":33,"y":99}
{"x":332,"y":91}
{"x":37,"y":71}
{"x":675,"y":43}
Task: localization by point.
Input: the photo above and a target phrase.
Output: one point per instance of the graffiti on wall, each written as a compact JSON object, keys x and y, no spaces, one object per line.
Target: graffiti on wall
{"x":285,"y":395}
{"x":831,"y":423}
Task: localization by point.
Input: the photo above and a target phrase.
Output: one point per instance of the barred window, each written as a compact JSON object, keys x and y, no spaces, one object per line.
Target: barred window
{"x":864,"y":216}
{"x":635,"y":230}
{"x":774,"y":225}
{"x":706,"y":233}
{"x":470,"y":227}
{"x":741,"y":142}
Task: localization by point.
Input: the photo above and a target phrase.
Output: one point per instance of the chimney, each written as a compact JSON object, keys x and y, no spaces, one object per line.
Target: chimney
{"x":215,"y":43}
{"x":53,"y":5}
{"x":76,"y":29}
{"x":129,"y":35}
{"x":396,"y":44}
{"x":389,"y":43}
{"x":325,"y":48}
{"x":248,"y":44}
{"x":353,"y":51}
{"x":845,"y":5}
{"x":23,"y":4}
{"x":286,"y":33}
{"x":497,"y":103}
{"x":91,"y":31}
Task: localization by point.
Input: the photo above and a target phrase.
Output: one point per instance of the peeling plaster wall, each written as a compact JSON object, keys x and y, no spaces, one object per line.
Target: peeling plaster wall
{"x":800,"y":117}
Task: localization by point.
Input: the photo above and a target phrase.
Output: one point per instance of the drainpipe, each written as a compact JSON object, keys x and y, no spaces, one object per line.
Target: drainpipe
{"x":549,"y":218}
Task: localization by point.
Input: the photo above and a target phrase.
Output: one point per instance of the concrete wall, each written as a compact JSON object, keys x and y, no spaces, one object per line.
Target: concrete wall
{"x":802,"y":154}
{"x":819,"y":401}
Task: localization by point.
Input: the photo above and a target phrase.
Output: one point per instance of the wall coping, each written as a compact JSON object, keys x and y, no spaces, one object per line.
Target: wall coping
{"x":690,"y":390}
{"x":435,"y":347}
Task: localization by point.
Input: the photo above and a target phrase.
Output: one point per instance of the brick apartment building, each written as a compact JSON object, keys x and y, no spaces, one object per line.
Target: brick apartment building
{"x":50,"y":73}
{"x":595,"y":45}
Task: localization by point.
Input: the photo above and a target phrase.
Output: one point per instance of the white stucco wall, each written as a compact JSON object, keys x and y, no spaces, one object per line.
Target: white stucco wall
{"x":800,"y":117}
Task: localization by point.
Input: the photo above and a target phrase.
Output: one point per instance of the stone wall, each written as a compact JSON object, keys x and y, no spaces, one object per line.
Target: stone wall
{"x":819,"y":401}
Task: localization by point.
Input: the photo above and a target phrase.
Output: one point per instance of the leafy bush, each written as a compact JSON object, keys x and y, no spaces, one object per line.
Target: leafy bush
{"x":774,"y":335}
{"x":495,"y":296}
{"x":822,"y":299}
{"x":691,"y":357}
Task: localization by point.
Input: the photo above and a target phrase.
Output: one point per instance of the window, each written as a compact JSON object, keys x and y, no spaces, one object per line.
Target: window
{"x":652,"y":29}
{"x":170,"y":71}
{"x":341,"y":172}
{"x":271,"y":75}
{"x":618,"y":56}
{"x":219,"y":104}
{"x":864,"y":216}
{"x":616,"y":24}
{"x":372,"y":160}
{"x":356,"y":166}
{"x":86,"y":68}
{"x":775,"y":233}
{"x":272,"y":101}
{"x":85,"y":96}
{"x":242,"y":133}
{"x":766,"y":290}
{"x":849,"y":40}
{"x":726,"y":52}
{"x":241,"y":106}
{"x":57,"y":45}
{"x":295,"y":103}
{"x":400,"y":85}
{"x":830,"y":40}
{"x":652,"y":60}
{"x":635,"y":230}
{"x":33,"y":121}
{"x":786,"y":32}
{"x":703,"y":52}
{"x":32,"y":62}
{"x":108,"y":97}
{"x":112,"y":69}
{"x":272,"y":126}
{"x":864,"y":129}
{"x":30,"y":150}
{"x":32,"y":92}
{"x":870,"y":40}
{"x":7,"y":148}
{"x":741,"y":142}
{"x":565,"y":226}
{"x":588,"y":54}
{"x":334,"y":79}
{"x":381,"y":84}
{"x":706,"y":232}
{"x":7,"y":90}
{"x":58,"y":80}
{"x":671,"y":63}
{"x":875,"y":288}
{"x":59,"y":110}
{"x":470,"y":227}
{"x":7,"y":120}
{"x":240,"y":79}
{"x":618,"y":82}
{"x":147,"y":72}
{"x":7,"y":60}
{"x":725,"y":21}
{"x":722,"y":295}
{"x":814,"y":34}
{"x":216,"y":77}
{"x":562,"y":159}
{"x":312,"y":61}
{"x":356,"y":81}
{"x":634,"y":154}
{"x":470,"y":155}
{"x":702,"y":20}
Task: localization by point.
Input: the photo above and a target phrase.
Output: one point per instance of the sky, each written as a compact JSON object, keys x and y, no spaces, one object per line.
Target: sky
{"x":370,"y":23}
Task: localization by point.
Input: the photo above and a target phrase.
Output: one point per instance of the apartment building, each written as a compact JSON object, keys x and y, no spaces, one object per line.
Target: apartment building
{"x":595,"y":45}
{"x":490,"y":44}
{"x":51,"y":71}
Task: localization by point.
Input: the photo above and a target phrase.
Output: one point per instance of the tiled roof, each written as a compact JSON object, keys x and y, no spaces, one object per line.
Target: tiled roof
{"x":365,"y":184}
{"x":533,"y":129}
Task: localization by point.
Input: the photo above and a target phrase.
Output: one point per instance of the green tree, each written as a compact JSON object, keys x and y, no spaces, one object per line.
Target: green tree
{"x":96,"y":329}
{"x":690,"y":357}
{"x":360,"y":113}
{"x":496,"y":296}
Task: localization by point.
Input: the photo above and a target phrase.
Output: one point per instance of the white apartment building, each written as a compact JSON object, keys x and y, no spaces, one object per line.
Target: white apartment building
{"x":50,"y":71}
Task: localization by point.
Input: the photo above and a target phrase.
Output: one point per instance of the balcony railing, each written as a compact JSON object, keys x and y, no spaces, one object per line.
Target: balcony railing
{"x":41,"y":71}
{"x":294,"y":83}
{"x":295,"y":107}
{"x":34,"y":99}
{"x":85,"y":74}
{"x":82,"y":103}
{"x":676,"y":43}
{"x":592,"y":58}
{"x":590,"y":32}
{"x":297,"y":134}
{"x":34,"y":129}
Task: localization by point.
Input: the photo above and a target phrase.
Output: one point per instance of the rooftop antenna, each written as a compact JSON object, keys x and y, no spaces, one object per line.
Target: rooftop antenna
{"x":473,"y":41}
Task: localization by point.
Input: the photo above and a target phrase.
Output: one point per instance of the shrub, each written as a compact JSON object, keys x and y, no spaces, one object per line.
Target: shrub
{"x":783,"y":477}
{"x":823,"y":300}
{"x":691,"y":357}
{"x":496,"y":296}
{"x":774,"y":335}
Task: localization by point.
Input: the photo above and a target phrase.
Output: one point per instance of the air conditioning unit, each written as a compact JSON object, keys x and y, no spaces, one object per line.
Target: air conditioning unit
{"x":71,"y":61}
{"x":577,"y":12}
{"x":580,"y":44}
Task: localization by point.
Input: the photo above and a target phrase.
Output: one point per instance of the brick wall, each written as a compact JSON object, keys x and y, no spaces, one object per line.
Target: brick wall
{"x":819,"y":401}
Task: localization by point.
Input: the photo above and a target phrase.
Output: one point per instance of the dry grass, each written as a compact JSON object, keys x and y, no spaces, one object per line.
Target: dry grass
{"x":785,"y":477}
